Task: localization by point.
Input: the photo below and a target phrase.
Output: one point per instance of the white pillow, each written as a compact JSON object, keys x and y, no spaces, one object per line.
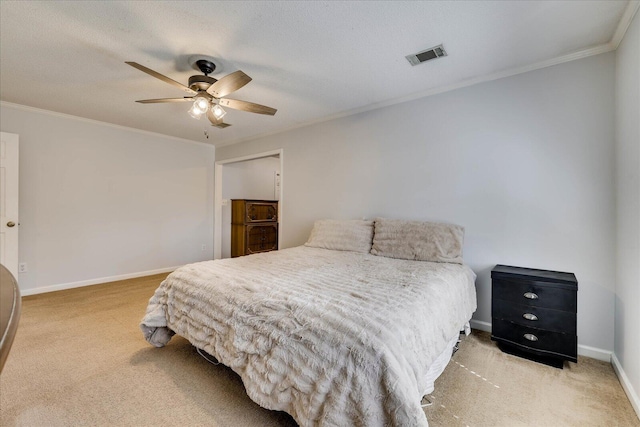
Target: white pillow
{"x":418,"y":240}
{"x":342,"y":235}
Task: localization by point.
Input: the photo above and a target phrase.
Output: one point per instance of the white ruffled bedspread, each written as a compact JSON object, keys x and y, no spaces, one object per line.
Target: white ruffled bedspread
{"x":334,"y":338}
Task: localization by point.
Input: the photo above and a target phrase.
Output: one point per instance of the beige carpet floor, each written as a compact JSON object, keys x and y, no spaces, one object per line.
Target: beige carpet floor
{"x":79,"y":359}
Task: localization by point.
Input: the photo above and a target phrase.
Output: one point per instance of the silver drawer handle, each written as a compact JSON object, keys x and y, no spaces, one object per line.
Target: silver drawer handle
{"x":531,"y":337}
{"x":530,"y":295}
{"x":530,"y":316}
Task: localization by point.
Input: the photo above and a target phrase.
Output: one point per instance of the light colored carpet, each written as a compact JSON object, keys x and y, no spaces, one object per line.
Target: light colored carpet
{"x":482,"y":386}
{"x":79,"y":359}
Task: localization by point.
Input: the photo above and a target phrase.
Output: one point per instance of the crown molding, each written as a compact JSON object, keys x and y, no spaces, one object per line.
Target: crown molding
{"x":98,"y":122}
{"x":623,"y":25}
{"x":625,"y":22}
{"x":596,"y":50}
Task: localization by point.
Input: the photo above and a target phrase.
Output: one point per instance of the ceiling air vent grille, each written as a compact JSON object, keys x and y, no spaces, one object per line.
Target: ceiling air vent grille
{"x":426,"y":55}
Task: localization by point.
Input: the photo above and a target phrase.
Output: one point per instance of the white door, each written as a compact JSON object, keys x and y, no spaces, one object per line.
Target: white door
{"x":9,"y":202}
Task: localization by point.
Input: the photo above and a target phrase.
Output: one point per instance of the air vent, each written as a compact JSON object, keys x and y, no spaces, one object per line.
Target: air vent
{"x":426,"y":55}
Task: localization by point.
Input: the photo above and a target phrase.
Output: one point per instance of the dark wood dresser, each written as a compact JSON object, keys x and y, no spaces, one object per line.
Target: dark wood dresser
{"x":254,"y":226}
{"x":533,"y":313}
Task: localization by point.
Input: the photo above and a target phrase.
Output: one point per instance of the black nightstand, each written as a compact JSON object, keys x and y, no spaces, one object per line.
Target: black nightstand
{"x":533,"y":313}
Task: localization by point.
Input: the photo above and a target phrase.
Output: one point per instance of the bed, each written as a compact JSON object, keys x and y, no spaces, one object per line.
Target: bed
{"x":352,"y":328}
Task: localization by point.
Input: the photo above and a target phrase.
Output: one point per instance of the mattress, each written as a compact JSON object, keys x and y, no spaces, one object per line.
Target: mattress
{"x":334,"y":338}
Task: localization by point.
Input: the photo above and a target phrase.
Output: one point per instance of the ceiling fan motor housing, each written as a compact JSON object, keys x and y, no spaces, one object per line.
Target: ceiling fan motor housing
{"x":199,"y":83}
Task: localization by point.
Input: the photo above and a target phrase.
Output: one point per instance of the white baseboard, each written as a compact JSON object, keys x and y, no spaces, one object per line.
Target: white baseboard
{"x":626,"y":384}
{"x":482,"y":326}
{"x":583,"y":350}
{"x":594,"y":353}
{"x":98,"y":281}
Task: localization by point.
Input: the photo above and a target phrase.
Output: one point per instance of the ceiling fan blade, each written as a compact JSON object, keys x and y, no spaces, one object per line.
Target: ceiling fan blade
{"x":221,"y":125}
{"x":247,"y":106}
{"x":155,"y":101}
{"x":229,"y":83}
{"x":215,"y":121}
{"x":160,"y":76}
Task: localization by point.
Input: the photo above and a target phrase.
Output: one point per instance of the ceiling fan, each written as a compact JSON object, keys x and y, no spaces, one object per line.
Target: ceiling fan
{"x":208,"y":94}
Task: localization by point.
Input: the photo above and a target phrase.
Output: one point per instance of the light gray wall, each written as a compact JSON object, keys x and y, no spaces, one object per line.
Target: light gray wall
{"x":525,"y":164}
{"x":627,"y":318}
{"x":98,"y":201}
{"x":251,"y":179}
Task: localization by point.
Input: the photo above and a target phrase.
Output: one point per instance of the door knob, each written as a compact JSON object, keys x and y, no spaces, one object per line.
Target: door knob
{"x":11,"y":224}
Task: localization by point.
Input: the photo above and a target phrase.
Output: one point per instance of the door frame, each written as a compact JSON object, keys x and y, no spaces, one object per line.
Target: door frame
{"x":12,"y":196}
{"x":217,"y":197}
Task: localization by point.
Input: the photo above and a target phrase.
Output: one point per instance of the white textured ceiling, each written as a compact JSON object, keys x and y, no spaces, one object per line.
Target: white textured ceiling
{"x":311,"y":60}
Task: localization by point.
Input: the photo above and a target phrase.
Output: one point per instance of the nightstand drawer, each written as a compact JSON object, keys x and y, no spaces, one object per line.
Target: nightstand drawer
{"x":535,"y":317}
{"x":544,"y":342}
{"x":537,"y":294}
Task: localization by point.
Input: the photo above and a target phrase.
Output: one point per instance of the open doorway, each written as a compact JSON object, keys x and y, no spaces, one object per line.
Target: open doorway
{"x":257,"y":176}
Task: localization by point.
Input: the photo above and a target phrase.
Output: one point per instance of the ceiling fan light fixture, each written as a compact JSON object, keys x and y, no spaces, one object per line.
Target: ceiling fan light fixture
{"x":202,"y":103}
{"x":195,"y":111}
{"x":218,"y":111}
{"x":199,"y":107}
